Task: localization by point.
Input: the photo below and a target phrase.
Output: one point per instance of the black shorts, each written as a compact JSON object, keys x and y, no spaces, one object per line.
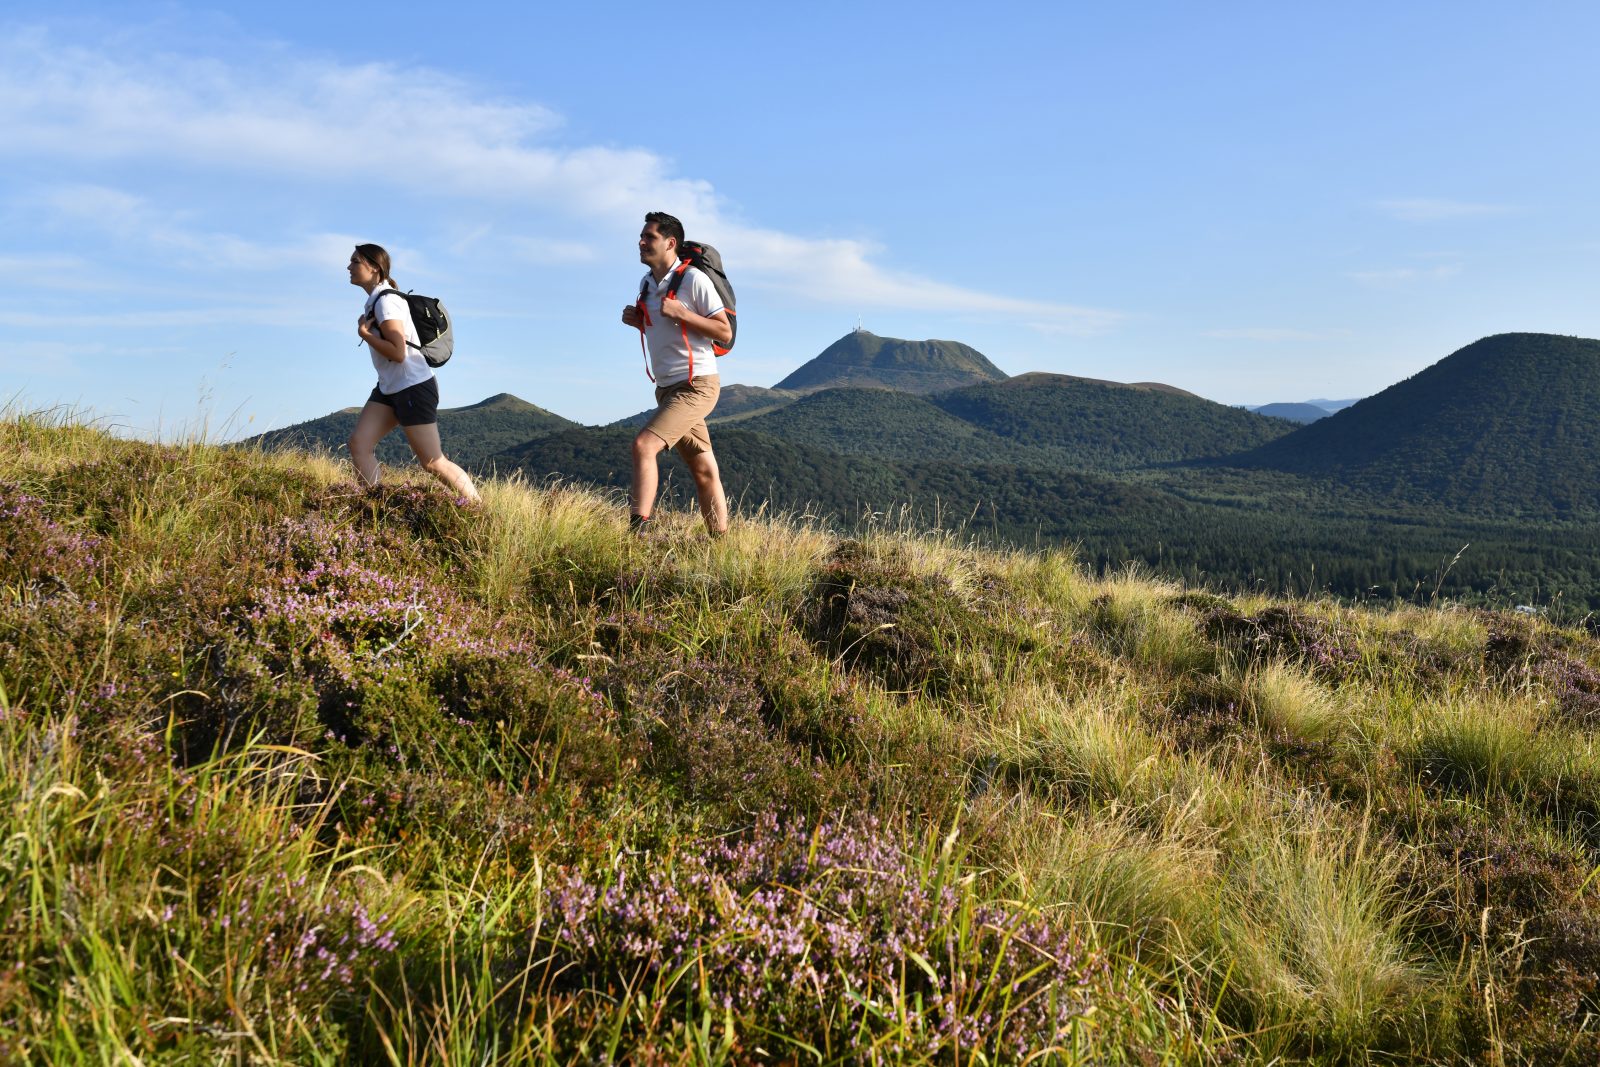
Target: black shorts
{"x":415,"y":405}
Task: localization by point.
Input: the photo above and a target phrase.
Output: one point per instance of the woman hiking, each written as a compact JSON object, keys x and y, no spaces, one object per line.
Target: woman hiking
{"x":406,"y":395}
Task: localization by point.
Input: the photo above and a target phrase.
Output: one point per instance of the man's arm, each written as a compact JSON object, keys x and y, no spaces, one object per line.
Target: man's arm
{"x":715,"y":326}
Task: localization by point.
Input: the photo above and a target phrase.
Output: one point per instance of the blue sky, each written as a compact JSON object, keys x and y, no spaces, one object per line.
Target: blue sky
{"x":1255,"y":202}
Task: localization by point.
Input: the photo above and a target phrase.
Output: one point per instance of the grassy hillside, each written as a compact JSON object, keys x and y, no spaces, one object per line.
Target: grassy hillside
{"x":1105,"y":426}
{"x":291,"y":773}
{"x":1509,"y":424}
{"x":470,"y":434}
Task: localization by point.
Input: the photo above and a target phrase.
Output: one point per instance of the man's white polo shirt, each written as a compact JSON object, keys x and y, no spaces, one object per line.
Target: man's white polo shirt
{"x":670,"y":360}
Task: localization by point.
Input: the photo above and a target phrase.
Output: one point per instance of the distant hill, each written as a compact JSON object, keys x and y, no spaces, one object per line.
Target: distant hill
{"x":1306,"y":412}
{"x":1017,"y":503}
{"x":1094,"y":425}
{"x":470,"y":434}
{"x":735,"y":402}
{"x":1508,"y":424}
{"x":1330,"y":406}
{"x":893,"y":425}
{"x":861,"y":358}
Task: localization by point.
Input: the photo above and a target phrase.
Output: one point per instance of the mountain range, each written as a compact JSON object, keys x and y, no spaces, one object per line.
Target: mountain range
{"x":1508,"y":424}
{"x":474,"y":434}
{"x":1485,"y":445}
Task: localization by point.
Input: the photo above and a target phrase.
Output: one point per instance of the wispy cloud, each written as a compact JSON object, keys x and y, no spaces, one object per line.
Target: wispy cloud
{"x":1425,"y":209}
{"x":134,"y":219}
{"x":276,"y":314}
{"x":1406,"y":275}
{"x":317,"y":121}
{"x":840,"y":271}
{"x":550,"y":250}
{"x":1272,"y":334}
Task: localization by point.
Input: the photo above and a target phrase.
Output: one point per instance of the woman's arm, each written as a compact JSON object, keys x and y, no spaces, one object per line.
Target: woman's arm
{"x":388,"y":340}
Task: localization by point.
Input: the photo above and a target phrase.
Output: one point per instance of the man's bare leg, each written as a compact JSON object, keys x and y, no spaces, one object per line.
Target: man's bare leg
{"x":708,"y":487}
{"x":646,"y":474}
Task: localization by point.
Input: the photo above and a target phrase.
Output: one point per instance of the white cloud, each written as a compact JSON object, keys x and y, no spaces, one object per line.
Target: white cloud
{"x":549,"y":250}
{"x":317,"y":121}
{"x":52,"y":357}
{"x":169,"y":318}
{"x":312,"y":119}
{"x":1422,"y":209}
{"x":839,"y":272}
{"x":1406,"y":275}
{"x":134,"y":219}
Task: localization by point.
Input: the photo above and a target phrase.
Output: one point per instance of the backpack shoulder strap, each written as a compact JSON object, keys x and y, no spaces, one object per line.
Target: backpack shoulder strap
{"x":677,"y":277}
{"x":381,"y":293}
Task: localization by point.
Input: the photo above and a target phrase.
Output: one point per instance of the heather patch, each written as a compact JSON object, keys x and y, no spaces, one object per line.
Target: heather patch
{"x":1282,"y":632}
{"x":40,"y":556}
{"x":831,"y":938}
{"x":50,"y":594}
{"x":909,"y":630}
{"x":337,"y":648}
{"x":104,"y":490}
{"x":707,"y":728}
{"x":425,"y":515}
{"x":818,"y":710}
{"x":1519,"y":654}
{"x":1494,"y":884}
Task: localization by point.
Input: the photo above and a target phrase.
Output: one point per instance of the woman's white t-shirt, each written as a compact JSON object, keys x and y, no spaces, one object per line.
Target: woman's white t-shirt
{"x":392,"y":376}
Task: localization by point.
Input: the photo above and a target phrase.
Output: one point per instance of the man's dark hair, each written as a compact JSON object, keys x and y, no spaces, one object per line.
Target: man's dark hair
{"x":667,"y":226}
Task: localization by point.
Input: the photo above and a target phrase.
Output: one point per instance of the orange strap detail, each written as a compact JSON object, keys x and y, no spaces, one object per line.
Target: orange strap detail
{"x":644,"y":320}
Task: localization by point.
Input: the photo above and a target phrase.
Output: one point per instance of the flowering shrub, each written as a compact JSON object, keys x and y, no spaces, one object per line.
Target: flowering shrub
{"x":707,"y":727}
{"x":1286,"y":633}
{"x":883,"y":617}
{"x":835,"y":937}
{"x":37,"y":551}
{"x":1517,"y":654}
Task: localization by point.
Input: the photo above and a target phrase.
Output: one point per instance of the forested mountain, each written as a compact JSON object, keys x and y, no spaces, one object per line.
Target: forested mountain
{"x":893,"y":425}
{"x":1106,"y":426}
{"x":1508,"y":424}
{"x":471,"y":434}
{"x":1255,"y":530}
{"x":860,"y":358}
{"x":1018,"y":503}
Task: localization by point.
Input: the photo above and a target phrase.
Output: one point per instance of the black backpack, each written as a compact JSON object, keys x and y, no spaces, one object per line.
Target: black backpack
{"x":708,"y":261}
{"x":432,"y":321}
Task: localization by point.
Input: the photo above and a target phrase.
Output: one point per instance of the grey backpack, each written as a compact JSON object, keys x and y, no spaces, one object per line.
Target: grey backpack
{"x":432,"y":321}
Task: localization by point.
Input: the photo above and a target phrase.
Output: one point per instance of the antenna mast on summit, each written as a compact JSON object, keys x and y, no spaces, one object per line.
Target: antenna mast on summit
{"x":858,"y":324}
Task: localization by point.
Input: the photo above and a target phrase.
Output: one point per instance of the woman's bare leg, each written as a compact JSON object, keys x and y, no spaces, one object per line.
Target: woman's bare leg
{"x":430,"y":453}
{"x":374,"y":424}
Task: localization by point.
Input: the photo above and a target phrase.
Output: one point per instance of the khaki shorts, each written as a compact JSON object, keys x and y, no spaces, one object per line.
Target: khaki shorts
{"x":680,"y":418}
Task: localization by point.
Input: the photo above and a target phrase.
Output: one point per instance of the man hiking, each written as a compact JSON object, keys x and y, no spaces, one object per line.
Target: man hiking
{"x":679,"y":331}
